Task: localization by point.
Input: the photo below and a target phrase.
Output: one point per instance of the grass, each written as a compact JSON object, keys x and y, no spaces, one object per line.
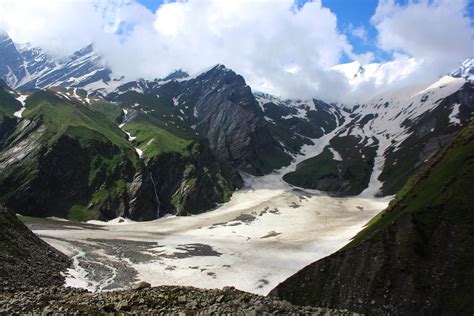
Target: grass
{"x":351,"y":175}
{"x":8,"y":104}
{"x":78,"y":139}
{"x":111,"y":111}
{"x":58,"y":115}
{"x":154,"y":140}
{"x":313,"y":170}
{"x":79,"y":213}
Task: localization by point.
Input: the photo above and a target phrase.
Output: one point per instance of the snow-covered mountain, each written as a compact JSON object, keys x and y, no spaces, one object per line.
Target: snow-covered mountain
{"x":377,"y":144}
{"x":25,"y":67}
{"x":383,"y":141}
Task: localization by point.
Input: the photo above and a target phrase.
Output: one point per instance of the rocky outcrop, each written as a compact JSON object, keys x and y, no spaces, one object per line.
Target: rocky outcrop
{"x":192,"y":184}
{"x":414,"y":257}
{"x":25,"y":260}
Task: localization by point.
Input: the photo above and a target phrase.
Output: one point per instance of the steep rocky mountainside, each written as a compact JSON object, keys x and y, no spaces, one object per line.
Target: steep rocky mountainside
{"x":25,"y":68}
{"x":414,"y":257}
{"x":65,"y":157}
{"x":25,"y":260}
{"x":218,"y":105}
{"x":295,"y":123}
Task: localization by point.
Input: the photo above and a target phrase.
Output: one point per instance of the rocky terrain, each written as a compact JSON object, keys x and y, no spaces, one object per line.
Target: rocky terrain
{"x":164,"y":300}
{"x":25,"y":260}
{"x":413,"y":258}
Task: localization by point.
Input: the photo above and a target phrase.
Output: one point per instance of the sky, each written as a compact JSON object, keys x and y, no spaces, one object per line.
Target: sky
{"x":285,"y":47}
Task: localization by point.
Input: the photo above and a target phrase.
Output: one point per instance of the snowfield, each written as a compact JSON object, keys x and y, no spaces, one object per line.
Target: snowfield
{"x":267,"y":232}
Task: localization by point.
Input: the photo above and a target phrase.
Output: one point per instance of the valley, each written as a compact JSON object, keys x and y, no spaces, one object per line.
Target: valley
{"x":265,"y":233}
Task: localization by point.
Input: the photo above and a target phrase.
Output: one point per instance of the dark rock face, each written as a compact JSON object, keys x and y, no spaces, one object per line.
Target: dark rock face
{"x":223,"y":109}
{"x":414,"y":258}
{"x":25,"y":260}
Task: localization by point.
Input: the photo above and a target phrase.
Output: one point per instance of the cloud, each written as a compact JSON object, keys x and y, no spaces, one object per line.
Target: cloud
{"x":437,"y":32}
{"x":274,"y":45}
{"x":259,"y":39}
{"x":359,"y":32}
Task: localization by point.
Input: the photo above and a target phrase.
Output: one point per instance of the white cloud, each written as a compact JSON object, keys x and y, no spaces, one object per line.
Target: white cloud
{"x":273,"y":45}
{"x":259,"y":39}
{"x":359,"y":31}
{"x":438,"y":32}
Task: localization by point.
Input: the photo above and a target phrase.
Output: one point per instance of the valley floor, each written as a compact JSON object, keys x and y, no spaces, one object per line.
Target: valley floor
{"x":267,"y":232}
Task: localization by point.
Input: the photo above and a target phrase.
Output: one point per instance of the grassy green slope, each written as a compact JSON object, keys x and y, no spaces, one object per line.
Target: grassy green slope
{"x":60,"y":114}
{"x":76,"y":145}
{"x":445,"y":185}
{"x":8,"y":104}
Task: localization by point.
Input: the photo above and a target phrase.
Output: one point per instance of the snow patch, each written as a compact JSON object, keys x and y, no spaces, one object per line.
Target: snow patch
{"x":336,"y":156}
{"x":453,"y":117}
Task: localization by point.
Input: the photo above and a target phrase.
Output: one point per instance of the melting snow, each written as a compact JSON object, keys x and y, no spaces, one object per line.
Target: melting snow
{"x":267,"y":232}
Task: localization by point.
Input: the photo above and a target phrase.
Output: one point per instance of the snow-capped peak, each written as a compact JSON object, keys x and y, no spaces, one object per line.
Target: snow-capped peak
{"x":466,"y":70}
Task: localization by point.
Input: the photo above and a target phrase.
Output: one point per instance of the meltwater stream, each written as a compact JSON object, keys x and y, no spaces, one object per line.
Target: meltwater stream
{"x":157,"y":199}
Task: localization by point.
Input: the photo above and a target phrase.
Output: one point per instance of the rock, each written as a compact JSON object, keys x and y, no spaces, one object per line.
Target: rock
{"x":220,"y":298}
{"x":141,"y":285}
{"x":182,"y":299}
{"x":123,"y":306}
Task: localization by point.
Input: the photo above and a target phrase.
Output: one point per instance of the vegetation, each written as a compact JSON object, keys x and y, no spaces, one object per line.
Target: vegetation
{"x":441,"y":189}
{"x":347,"y":177}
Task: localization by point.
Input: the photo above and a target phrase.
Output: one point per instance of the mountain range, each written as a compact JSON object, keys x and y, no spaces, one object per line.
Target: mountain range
{"x":146,"y":148}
